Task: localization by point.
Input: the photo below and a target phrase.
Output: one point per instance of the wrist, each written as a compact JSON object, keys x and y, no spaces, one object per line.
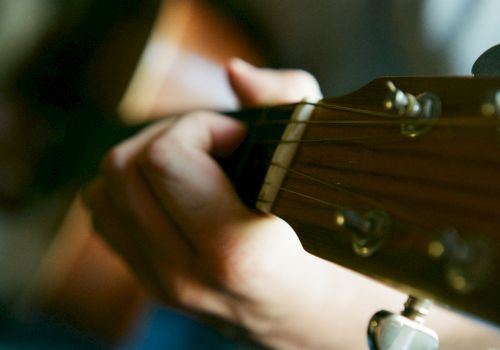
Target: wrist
{"x":297,"y":316}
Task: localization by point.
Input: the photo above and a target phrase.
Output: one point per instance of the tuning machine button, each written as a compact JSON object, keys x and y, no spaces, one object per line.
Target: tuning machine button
{"x":420,"y":111}
{"x":467,"y":261}
{"x":388,"y":331}
{"x":491,"y":105}
{"x":369,"y":230}
{"x":490,"y":108}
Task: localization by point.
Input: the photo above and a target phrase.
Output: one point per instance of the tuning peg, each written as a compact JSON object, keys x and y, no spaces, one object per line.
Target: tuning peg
{"x":467,"y":259}
{"x":388,"y":331}
{"x":420,"y":111}
{"x":369,"y":231}
{"x":403,"y":103}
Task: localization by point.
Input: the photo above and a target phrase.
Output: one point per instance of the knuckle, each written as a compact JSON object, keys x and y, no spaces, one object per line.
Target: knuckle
{"x":160,"y":164}
{"x":162,"y":156}
{"x":157,"y":157}
{"x":163,"y":152}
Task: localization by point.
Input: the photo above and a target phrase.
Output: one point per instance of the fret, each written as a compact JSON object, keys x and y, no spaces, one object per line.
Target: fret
{"x":248,"y":166}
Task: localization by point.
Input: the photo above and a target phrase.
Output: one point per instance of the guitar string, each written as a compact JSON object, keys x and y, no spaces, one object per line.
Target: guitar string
{"x":338,"y":140}
{"x":387,"y":147}
{"x":346,"y":140}
{"x":485,"y":189}
{"x":326,"y":184}
{"x":339,"y":108}
{"x":388,"y":118}
{"x":436,"y":157}
{"x":398,"y":136}
{"x":328,"y":204}
{"x":350,"y":140}
{"x":395,"y":140}
{"x":402,"y":217}
{"x":463,"y":122}
{"x":366,"y":200}
{"x":458,"y":122}
{"x":402,"y":220}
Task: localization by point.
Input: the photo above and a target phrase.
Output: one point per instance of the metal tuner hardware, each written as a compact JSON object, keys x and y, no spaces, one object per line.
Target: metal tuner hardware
{"x":369,"y":230}
{"x":418,"y":112}
{"x":405,"y":331}
{"x":491,"y":105}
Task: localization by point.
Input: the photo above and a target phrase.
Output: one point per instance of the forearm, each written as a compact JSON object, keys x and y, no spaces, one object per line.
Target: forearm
{"x":325,"y":307}
{"x":331,"y":307}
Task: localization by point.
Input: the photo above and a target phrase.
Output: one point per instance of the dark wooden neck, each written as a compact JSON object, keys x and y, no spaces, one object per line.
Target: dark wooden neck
{"x":77,"y":159}
{"x":439,"y":189}
{"x":248,"y":166}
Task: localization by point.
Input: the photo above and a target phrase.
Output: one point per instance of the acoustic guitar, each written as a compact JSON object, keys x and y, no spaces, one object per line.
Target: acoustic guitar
{"x":398,"y":181}
{"x":401,"y":185}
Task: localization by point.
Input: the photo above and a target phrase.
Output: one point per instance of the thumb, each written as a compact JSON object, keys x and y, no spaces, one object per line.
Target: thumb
{"x":256,"y":86}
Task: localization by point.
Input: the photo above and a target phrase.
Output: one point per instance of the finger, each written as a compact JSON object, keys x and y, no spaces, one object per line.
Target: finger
{"x":186,"y":179}
{"x":176,"y":287}
{"x":255,"y":86}
{"x":132,"y":197}
{"x":118,"y":234}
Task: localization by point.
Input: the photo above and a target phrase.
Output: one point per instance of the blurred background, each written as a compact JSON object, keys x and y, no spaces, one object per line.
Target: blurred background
{"x":66,"y":66}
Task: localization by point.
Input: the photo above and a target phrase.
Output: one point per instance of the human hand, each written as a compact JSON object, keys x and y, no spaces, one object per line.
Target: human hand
{"x":166,"y":207}
{"x":163,"y":203}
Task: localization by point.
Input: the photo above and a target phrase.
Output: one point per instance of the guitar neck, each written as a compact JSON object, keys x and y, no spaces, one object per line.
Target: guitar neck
{"x":410,"y":202}
{"x":415,"y":209}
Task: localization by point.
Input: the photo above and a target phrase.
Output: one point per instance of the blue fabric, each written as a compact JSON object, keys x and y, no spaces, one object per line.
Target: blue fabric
{"x":164,"y":329}
{"x":158,"y":329}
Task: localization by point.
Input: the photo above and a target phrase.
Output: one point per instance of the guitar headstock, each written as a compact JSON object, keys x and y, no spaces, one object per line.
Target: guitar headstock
{"x":400,"y":181}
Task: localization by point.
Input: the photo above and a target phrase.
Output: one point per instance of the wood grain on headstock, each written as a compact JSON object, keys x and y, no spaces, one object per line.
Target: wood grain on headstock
{"x":441,"y":191}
